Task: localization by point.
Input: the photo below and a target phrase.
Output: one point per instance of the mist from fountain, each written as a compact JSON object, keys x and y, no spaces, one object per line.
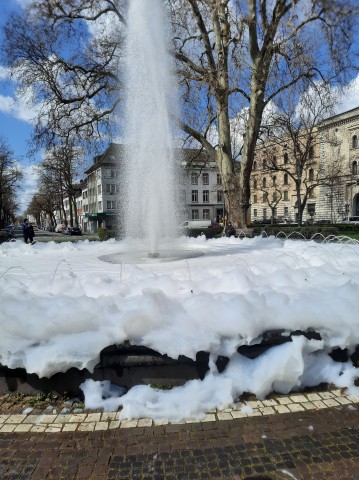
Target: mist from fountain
{"x":151,"y":96}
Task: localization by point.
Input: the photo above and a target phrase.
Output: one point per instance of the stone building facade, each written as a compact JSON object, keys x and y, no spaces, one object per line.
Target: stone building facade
{"x":330,"y":175}
{"x":340,"y":144}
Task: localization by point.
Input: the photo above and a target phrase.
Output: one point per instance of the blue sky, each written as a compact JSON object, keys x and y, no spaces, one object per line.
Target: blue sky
{"x":15,"y":117}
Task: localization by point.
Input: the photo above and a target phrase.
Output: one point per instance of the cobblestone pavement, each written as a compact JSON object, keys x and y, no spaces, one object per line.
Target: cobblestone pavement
{"x":303,"y":444}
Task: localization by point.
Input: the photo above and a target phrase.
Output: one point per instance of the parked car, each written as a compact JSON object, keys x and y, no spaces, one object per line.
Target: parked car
{"x":74,"y":231}
{"x":351,"y":220}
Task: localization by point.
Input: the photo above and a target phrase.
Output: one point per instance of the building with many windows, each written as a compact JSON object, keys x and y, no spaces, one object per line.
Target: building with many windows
{"x":328,"y":173}
{"x":202,"y":193}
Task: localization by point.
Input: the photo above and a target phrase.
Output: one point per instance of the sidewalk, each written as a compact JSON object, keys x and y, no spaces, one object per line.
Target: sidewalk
{"x":317,"y":442}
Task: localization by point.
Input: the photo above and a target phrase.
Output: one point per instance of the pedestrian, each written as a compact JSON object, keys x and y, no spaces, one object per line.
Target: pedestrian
{"x":28,"y":231}
{"x":25,"y":229}
{"x":229,"y":230}
{"x":31,"y":232}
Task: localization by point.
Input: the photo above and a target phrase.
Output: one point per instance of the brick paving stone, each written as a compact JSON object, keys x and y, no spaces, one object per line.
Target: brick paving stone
{"x":284,"y":400}
{"x":320,"y":443}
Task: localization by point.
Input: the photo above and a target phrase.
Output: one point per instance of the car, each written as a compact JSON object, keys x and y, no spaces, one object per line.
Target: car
{"x":74,"y":231}
{"x":351,"y":220}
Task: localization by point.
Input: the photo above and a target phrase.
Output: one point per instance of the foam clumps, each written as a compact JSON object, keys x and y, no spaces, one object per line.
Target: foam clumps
{"x":61,"y":305}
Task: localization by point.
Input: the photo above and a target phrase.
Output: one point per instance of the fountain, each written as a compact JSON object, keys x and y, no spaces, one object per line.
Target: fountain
{"x":151,"y":96}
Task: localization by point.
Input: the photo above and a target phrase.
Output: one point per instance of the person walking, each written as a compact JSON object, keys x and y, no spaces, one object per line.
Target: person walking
{"x":28,"y":231}
{"x":25,"y":230}
{"x":31,"y":233}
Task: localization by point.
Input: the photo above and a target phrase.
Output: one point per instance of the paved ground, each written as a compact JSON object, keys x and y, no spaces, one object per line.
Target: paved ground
{"x":318,"y":443}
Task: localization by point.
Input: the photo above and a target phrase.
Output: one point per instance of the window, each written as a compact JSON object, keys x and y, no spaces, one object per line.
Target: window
{"x":255,"y":199}
{"x":285,"y":178}
{"x":195,"y":214}
{"x":285,"y":160}
{"x":254,"y":166}
{"x":194,"y":178}
{"x":355,"y":168}
{"x":264,"y":182}
{"x":355,"y":141}
{"x":311,"y":174}
{"x":264,"y":213}
{"x":219,"y":179}
{"x":194,"y":196}
{"x":98,"y":188}
{"x":274,"y":160}
{"x":219,"y":196}
{"x":111,"y":205}
{"x":311,"y":152}
{"x":311,"y":208}
{"x":274,"y":181}
{"x":286,"y":211}
{"x":264,"y":198}
{"x":205,"y":178}
{"x":285,"y":195}
{"x":100,"y":205}
{"x":311,"y":193}
{"x":264,"y":164}
{"x":274,"y":212}
{"x":255,"y":212}
{"x":274,"y":196}
{"x":110,"y":189}
{"x":205,"y":214}
{"x":110,"y":173}
{"x":255,"y":183}
{"x":205,"y":196}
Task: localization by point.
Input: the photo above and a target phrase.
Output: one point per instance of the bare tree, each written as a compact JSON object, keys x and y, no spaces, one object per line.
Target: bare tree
{"x":57,"y":175}
{"x":10,"y":177}
{"x":70,"y":74}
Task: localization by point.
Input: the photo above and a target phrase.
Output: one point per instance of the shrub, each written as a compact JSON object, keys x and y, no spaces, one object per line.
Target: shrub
{"x":102,"y":234}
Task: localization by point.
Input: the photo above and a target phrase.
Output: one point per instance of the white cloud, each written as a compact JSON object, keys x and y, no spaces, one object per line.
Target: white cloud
{"x":18,"y":107}
{"x":350,"y":98}
{"x":4,"y":73}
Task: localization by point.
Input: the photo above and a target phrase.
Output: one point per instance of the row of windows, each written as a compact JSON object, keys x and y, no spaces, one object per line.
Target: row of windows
{"x":273,"y":162}
{"x":275,"y":196}
{"x":195,"y":214}
{"x":265,"y":212}
{"x":285,"y":179}
{"x":205,"y":196}
{"x":205,"y":178}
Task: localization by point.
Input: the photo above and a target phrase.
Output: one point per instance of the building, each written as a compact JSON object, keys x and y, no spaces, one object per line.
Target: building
{"x":202,"y":193}
{"x":199,"y":189}
{"x":328,"y":172}
{"x":285,"y":179}
{"x":339,"y":153}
